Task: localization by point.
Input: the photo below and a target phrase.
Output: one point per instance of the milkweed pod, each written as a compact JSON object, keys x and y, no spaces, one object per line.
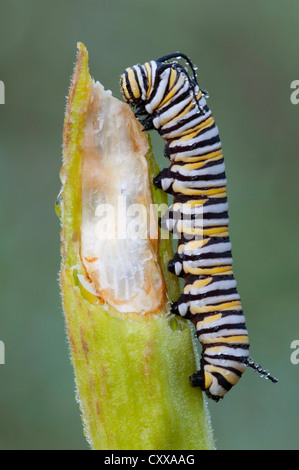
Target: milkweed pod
{"x":131,"y":357}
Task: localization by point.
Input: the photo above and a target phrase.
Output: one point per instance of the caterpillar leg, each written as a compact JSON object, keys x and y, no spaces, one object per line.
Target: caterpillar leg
{"x":147,"y":123}
{"x":157,"y":180}
{"x":180,"y":309}
{"x":140,"y":110}
{"x":198,"y":380}
{"x":171,"y":266}
{"x":162,"y":181}
{"x":177,"y":309}
{"x":175,"y":267}
{"x":174,"y":308}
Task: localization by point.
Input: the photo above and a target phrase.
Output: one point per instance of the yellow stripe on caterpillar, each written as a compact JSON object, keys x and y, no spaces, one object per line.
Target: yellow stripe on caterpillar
{"x":207,"y":320}
{"x":230,"y":376}
{"x":172,"y":89}
{"x":235,"y":305}
{"x":204,"y":232}
{"x":178,"y":188}
{"x":197,"y":285}
{"x":133,"y":83}
{"x":218,"y":270}
{"x":149,"y":78}
{"x":195,"y":166}
{"x":197,"y":158}
{"x":192,"y":133}
{"x":241,"y":339}
{"x":193,"y":245}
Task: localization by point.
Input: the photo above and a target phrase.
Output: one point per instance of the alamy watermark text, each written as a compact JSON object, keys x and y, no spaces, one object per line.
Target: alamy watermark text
{"x":2,"y":92}
{"x":2,"y":353}
{"x":295,"y":94}
{"x":295,"y":354}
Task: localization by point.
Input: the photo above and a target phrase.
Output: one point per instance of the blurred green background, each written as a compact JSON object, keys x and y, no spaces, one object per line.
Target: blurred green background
{"x":247,"y":57}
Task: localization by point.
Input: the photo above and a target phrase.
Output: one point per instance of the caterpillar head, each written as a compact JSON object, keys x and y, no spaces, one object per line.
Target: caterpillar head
{"x":143,"y":86}
{"x":130,"y":88}
{"x":137,"y":82}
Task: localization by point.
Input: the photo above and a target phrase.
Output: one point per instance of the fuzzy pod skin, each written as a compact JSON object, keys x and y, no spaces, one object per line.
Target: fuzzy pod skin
{"x":131,"y":370}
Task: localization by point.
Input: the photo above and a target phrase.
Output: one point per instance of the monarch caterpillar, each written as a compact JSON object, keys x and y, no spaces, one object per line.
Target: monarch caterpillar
{"x":167,"y":98}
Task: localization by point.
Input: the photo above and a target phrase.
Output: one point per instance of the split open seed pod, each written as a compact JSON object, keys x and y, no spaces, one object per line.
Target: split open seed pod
{"x":132,"y":358}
